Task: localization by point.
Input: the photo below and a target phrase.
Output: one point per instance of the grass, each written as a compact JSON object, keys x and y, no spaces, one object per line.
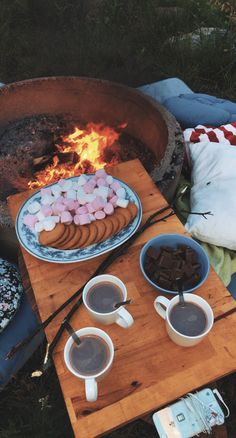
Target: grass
{"x":129,"y":41}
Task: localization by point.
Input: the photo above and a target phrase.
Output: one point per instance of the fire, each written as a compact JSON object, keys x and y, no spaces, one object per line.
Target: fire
{"x":86,"y":146}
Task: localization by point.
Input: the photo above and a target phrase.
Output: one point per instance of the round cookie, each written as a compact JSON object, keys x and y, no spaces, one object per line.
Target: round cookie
{"x":126,"y":213}
{"x":115,"y":223}
{"x":92,"y":235}
{"x":67,"y":243}
{"x":62,"y":239}
{"x":133,"y":209}
{"x":84,"y":235}
{"x":46,"y":238}
{"x":101,"y":228}
{"x":122,"y":219}
{"x":76,"y":238}
{"x":109,"y":229}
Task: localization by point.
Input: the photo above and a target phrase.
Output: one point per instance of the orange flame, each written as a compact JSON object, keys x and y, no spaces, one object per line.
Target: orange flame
{"x":88,"y":144}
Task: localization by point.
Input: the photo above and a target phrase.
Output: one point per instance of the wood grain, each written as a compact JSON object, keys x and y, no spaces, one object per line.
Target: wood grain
{"x":149,"y":370}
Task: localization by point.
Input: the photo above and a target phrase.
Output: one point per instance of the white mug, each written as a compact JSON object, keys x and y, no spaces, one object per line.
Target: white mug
{"x":91,"y":387}
{"x":120,"y":316}
{"x":179,"y":338}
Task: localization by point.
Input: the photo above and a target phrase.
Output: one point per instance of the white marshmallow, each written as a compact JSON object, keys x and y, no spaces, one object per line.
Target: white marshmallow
{"x":80,"y":193}
{"x":55,"y":219}
{"x":34,"y":207}
{"x":56,"y":191}
{"x":67,"y":185}
{"x":109,"y":179}
{"x":75,"y":186}
{"x":39,"y":226}
{"x":40,"y":216}
{"x":102,"y":191}
{"x":82,"y":180}
{"x":121,"y":202}
{"x":47,"y":200}
{"x":90,"y":197}
{"x":121,"y":193}
{"x":48,"y":224}
{"x":92,"y":217}
{"x":71,"y":194}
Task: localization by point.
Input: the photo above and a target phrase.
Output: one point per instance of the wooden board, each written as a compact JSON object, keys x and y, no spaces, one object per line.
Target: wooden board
{"x":149,"y":370}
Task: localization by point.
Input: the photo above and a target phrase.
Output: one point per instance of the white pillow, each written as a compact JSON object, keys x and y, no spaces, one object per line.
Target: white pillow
{"x":214,"y":189}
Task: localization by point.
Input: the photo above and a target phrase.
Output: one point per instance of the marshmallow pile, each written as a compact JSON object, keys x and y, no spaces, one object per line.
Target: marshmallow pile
{"x":88,"y":199}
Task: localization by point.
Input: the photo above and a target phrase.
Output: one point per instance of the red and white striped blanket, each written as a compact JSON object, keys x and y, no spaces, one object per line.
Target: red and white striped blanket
{"x":222,"y":134}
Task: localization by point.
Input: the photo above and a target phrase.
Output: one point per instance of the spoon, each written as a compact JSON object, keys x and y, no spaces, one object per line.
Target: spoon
{"x":74,"y":336}
{"x":179,"y":283}
{"x":122,"y":303}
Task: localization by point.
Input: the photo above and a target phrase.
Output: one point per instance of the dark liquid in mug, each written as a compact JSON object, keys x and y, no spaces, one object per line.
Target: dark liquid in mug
{"x":91,"y":356}
{"x":189,"y":320}
{"x":103,"y":296}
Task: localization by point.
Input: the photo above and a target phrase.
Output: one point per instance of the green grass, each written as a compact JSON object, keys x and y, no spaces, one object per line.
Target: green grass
{"x":129,"y":41}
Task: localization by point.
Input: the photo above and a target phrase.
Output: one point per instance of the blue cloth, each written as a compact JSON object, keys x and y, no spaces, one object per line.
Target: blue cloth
{"x":165,"y":89}
{"x":232,"y":286}
{"x":23,"y":323}
{"x":193,"y":109}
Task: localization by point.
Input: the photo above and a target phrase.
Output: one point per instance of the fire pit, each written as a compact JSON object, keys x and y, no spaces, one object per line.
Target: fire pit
{"x":87,"y":123}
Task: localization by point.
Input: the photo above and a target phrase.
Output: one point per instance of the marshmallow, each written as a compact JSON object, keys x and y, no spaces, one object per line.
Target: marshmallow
{"x":71,"y":194}
{"x":98,"y":203}
{"x":110,"y":193}
{"x":121,"y":193}
{"x":74,"y":185}
{"x":90,"y":197}
{"x":48,"y":224}
{"x":84,"y":219}
{"x":113,"y":200}
{"x":77,"y":219}
{"x":82,"y":210}
{"x":121,"y":202}
{"x":61,"y":182}
{"x":46,"y":210}
{"x":34,"y":207}
{"x":109,"y":179}
{"x":115,"y":186}
{"x":92,"y":217}
{"x":82,"y":200}
{"x":72,"y":205}
{"x":45,"y":191}
{"x":39,"y":226}
{"x":47,"y":200}
{"x":101,"y":182}
{"x":30,"y":220}
{"x":67,"y":185}
{"x":59,"y":208}
{"x":40,"y":216}
{"x":88,"y":188}
{"x":82,"y":180}
{"x":100,"y":173}
{"x":99,"y":214}
{"x":66,"y":217}
{"x":55,"y":219}
{"x":90,"y":208}
{"x":108,"y":209}
{"x":56,"y":190}
{"x":102,"y":191}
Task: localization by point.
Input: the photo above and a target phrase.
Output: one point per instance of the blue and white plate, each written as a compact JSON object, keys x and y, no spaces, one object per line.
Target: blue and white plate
{"x":28,"y":238}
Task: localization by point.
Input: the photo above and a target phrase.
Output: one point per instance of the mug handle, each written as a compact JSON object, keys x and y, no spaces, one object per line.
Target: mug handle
{"x":124,"y":319}
{"x":91,"y":390}
{"x":159,"y":303}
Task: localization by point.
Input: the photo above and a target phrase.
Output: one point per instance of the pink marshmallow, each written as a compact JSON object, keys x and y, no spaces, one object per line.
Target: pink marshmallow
{"x":113,"y":200}
{"x":30,"y":220}
{"x":101,"y":173}
{"x":88,"y":188}
{"x":101,"y":182}
{"x":66,"y":217}
{"x":72,"y":205}
{"x":111,"y":193}
{"x":108,"y":209}
{"x":84,"y":219}
{"x":90,"y":208}
{"x":46,"y":210}
{"x":61,"y":182}
{"x":76,"y":219}
{"x":60,"y":207}
{"x":115,"y":186}
{"x":82,"y":210}
{"x":98,"y":203}
{"x":99,"y":214}
{"x":45,"y":191}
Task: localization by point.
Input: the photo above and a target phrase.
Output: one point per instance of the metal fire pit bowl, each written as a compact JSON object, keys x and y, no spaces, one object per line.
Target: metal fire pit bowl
{"x":97,"y":100}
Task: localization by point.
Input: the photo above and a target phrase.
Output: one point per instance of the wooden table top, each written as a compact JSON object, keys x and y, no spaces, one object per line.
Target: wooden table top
{"x":149,"y":370}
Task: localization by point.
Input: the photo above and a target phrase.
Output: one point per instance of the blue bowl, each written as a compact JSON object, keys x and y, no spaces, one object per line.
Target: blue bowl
{"x":173,"y":240}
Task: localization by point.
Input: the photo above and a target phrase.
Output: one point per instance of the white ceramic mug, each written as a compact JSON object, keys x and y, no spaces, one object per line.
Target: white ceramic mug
{"x":91,"y":387}
{"x":163,"y":306}
{"x":120,"y":316}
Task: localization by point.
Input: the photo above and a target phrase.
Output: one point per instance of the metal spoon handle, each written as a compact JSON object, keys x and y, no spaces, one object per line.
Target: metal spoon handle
{"x":70,"y":330}
{"x":180,"y":291}
{"x":122,"y":303}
